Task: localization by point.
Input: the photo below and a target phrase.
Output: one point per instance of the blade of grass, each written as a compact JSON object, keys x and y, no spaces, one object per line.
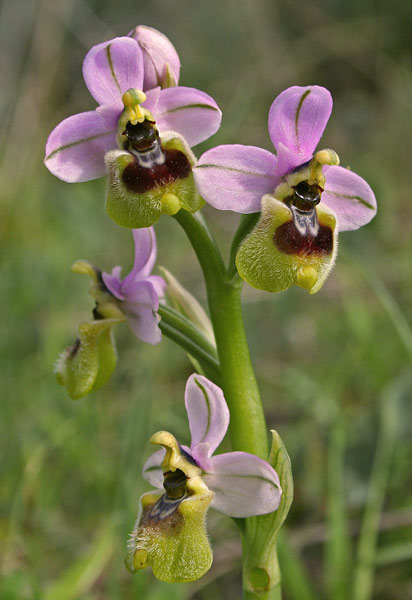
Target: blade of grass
{"x":295,"y":578}
{"x":78,"y":580}
{"x":394,"y":312}
{"x":394,"y":554}
{"x":338,"y":546}
{"x":367,"y":543}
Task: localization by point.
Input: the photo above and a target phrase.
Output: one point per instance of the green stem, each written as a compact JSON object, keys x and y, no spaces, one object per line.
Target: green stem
{"x":248,"y":430}
{"x":182,"y":331}
{"x":247,"y":427}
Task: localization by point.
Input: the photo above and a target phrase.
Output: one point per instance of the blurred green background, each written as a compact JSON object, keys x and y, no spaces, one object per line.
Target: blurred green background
{"x":334,"y":368}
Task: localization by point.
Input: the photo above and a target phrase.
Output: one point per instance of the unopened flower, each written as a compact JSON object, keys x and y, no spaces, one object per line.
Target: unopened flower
{"x":89,"y":362}
{"x":147,"y":135}
{"x":169,"y":534}
{"x":307,"y":197}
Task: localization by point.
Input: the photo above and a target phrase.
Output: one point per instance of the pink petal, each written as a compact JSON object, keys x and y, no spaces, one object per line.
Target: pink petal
{"x":201,"y":453}
{"x":113,"y":282}
{"x":349,"y":197}
{"x":244,"y":485}
{"x":113,"y":67}
{"x":207,"y":412}
{"x":188,"y":111}
{"x":297,"y":119}
{"x":235,"y":177}
{"x":145,"y":252}
{"x":75,"y":149}
{"x":152,"y":97}
{"x":152,"y":470}
{"x":158,"y":283}
{"x":158,"y":51}
{"x":140,"y":306}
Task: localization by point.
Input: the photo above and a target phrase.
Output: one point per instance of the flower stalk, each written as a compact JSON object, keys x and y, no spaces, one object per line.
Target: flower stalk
{"x":247,"y":428}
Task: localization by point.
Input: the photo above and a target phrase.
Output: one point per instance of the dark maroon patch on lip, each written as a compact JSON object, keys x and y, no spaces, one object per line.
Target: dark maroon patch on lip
{"x":140,"y":179}
{"x":290,"y":241}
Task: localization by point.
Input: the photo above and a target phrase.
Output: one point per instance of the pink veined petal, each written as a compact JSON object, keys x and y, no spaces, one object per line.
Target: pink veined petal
{"x":110,"y":113}
{"x":188,"y":111}
{"x":75,"y":149}
{"x":158,"y":283}
{"x":140,"y":306}
{"x":235,"y":177}
{"x":152,"y":470}
{"x":152,"y":98}
{"x":113,"y":282}
{"x":349,"y":197}
{"x":207,"y":412}
{"x":244,"y":485}
{"x":201,"y":454}
{"x":158,"y":51}
{"x":297,"y":119}
{"x":145,"y":252}
{"x":113,"y":67}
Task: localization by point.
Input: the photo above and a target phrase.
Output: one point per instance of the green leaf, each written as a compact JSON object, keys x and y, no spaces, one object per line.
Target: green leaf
{"x":261,"y":574}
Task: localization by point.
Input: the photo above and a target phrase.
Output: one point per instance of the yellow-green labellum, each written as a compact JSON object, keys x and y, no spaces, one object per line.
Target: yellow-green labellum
{"x":276,"y":254}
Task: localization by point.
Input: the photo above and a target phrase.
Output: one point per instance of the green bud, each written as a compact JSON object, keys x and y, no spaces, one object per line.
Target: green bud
{"x":88,"y":364}
{"x":288,"y":247}
{"x":143,"y":185}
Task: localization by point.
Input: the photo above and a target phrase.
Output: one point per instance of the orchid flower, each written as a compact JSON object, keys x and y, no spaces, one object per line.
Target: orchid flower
{"x":170,"y":534}
{"x":139,"y":292}
{"x":147,"y":135}
{"x":88,"y":364}
{"x":304,"y":197}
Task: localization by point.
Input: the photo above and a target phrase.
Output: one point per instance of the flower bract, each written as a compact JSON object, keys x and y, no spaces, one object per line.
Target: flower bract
{"x":313,"y":198}
{"x":170,"y":526}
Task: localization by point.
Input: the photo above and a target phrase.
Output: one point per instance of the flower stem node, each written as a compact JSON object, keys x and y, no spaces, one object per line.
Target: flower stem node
{"x":152,"y":176}
{"x":289,"y":245}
